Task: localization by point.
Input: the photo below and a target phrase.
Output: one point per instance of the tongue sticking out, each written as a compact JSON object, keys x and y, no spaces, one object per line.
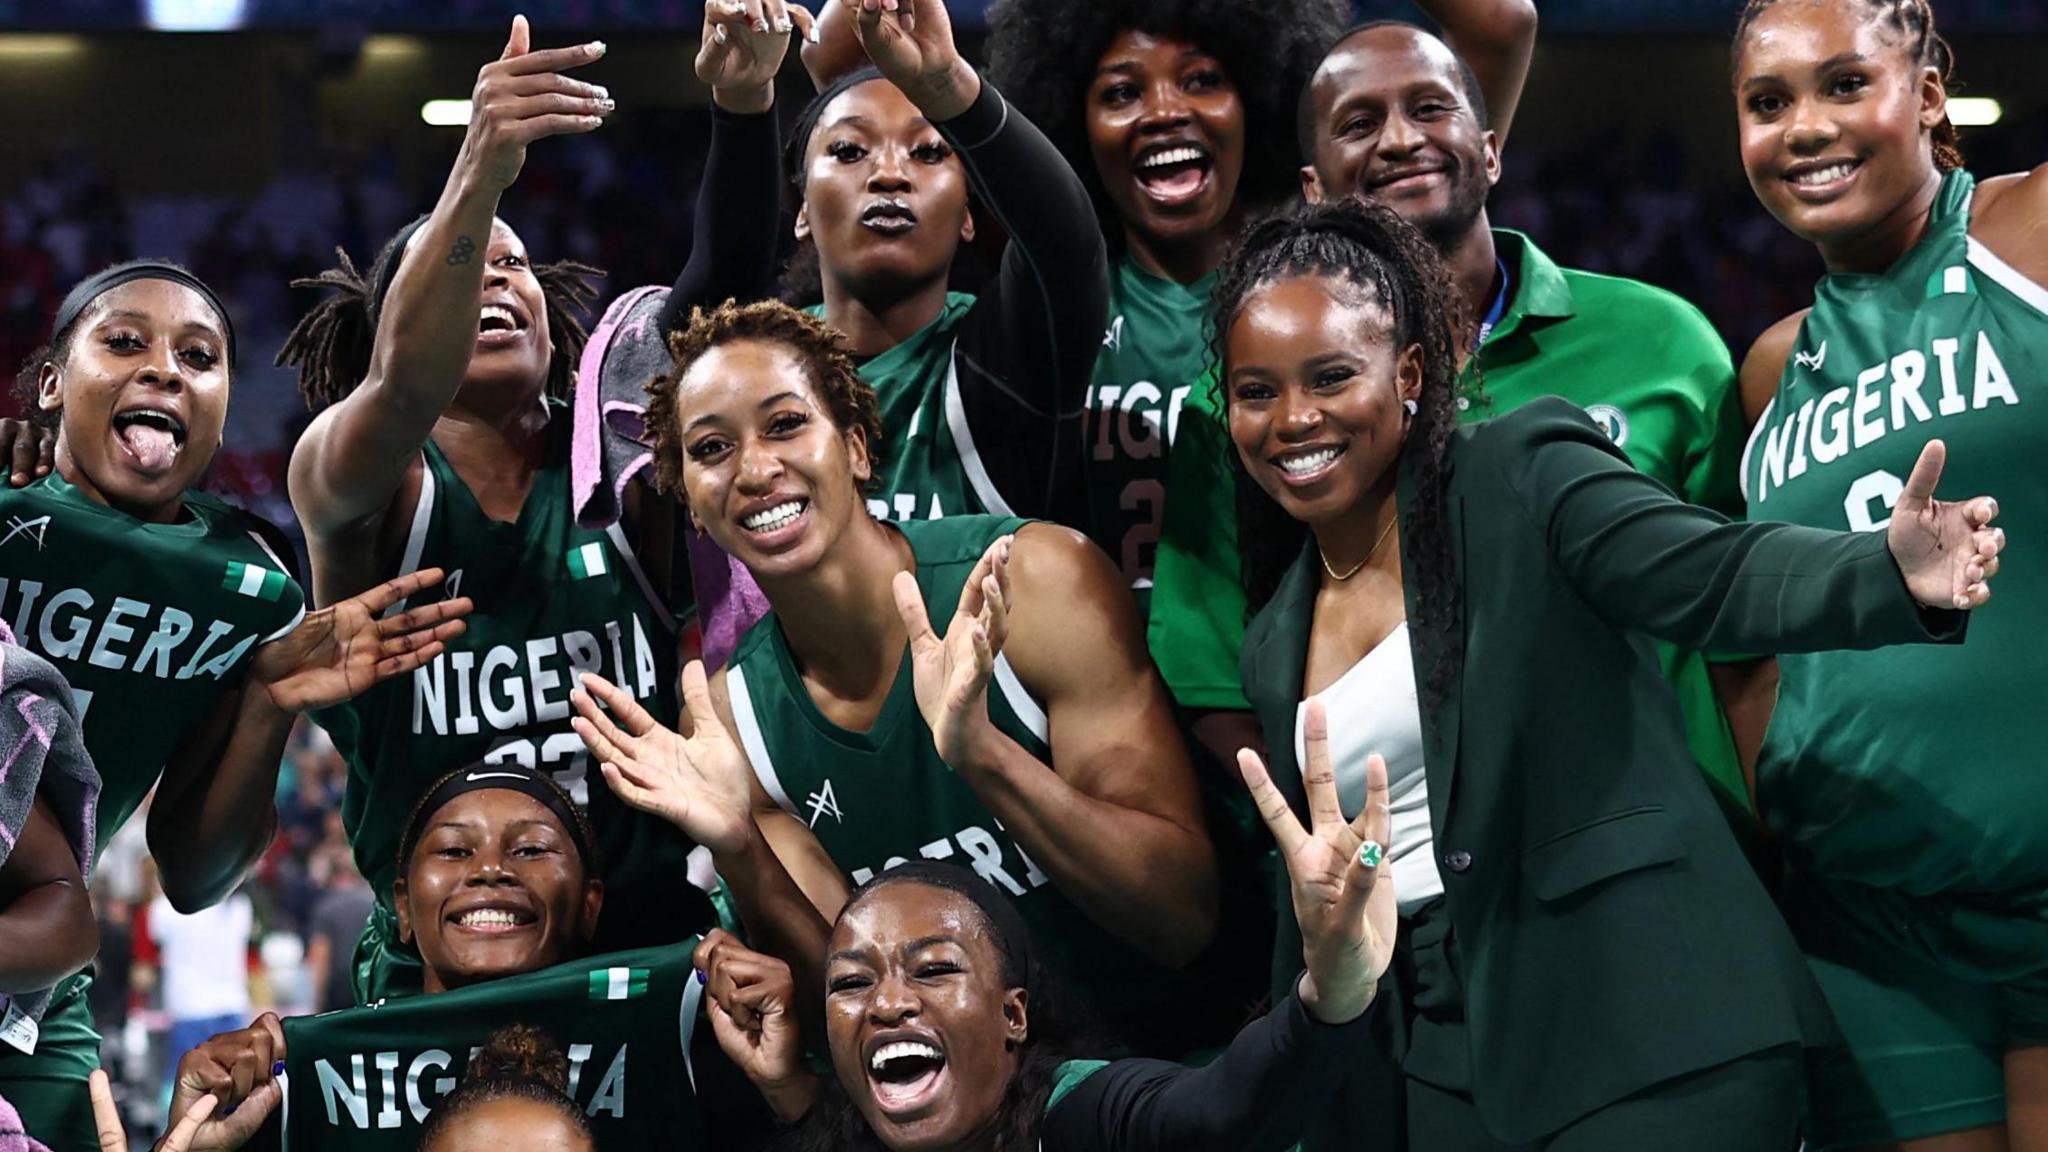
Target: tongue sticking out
{"x":154,"y":449}
{"x":1177,"y":183}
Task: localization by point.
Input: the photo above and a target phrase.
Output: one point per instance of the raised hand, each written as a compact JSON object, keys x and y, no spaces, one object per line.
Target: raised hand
{"x":521,"y":97}
{"x":751,"y":999}
{"x":28,"y":448}
{"x":951,"y":673}
{"x":743,"y":46}
{"x":341,"y":650}
{"x":1338,"y":872}
{"x":699,"y":783}
{"x":1947,"y":551}
{"x":911,"y":42}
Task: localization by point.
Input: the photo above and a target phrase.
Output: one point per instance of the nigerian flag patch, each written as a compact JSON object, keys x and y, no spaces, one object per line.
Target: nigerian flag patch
{"x":250,"y":580}
{"x":618,"y":983}
{"x":587,"y":561}
{"x":1951,"y":281}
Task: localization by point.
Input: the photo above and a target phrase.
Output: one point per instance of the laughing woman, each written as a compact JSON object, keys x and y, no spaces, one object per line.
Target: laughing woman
{"x":1914,"y":884}
{"x":442,"y":437}
{"x":172,"y":615}
{"x":1586,"y":959}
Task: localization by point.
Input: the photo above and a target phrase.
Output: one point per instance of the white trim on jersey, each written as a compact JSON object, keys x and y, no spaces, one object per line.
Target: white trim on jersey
{"x":1763,"y":420}
{"x":992,"y":500}
{"x":284,"y":1107}
{"x":2008,"y":277}
{"x":1027,"y":709}
{"x":618,"y":539}
{"x":749,"y":726}
{"x":416,"y":536}
{"x":281,"y":567}
{"x":693,"y":995}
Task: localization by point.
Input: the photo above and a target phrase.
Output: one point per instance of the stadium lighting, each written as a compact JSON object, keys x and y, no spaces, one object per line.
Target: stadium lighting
{"x":388,"y":49}
{"x":23,"y":48}
{"x":194,"y":15}
{"x":445,"y":113}
{"x":1974,"y":111}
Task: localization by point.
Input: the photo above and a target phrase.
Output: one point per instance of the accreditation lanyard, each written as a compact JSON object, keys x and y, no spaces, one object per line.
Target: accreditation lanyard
{"x":1499,"y":309}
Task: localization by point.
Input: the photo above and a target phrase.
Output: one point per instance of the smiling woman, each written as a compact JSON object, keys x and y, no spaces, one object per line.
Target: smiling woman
{"x":189,"y":683}
{"x":498,"y":886}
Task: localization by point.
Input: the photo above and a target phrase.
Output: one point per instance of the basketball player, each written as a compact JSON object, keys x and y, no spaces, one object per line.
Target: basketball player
{"x":1916,"y":884}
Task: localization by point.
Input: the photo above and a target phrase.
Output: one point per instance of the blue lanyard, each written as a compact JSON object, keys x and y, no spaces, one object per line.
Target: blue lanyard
{"x":1500,"y":307}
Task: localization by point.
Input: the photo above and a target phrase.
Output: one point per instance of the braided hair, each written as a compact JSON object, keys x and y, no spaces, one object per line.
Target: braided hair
{"x":1367,"y":245}
{"x":1913,"y":22}
{"x":331,"y":344}
{"x":518,"y":1062}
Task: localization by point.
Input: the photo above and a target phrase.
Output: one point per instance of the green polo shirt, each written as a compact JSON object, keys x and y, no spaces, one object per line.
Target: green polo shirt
{"x":1652,"y":372}
{"x":1645,"y":364}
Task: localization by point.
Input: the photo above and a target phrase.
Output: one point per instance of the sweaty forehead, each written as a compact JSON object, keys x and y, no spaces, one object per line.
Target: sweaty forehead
{"x":1383,"y":60}
{"x":893,"y":915}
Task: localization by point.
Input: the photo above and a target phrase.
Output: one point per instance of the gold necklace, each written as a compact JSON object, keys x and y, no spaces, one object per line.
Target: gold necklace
{"x":1384,"y":533}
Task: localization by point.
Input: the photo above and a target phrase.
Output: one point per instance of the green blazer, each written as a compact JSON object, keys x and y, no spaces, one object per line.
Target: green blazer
{"x":1608,"y":933}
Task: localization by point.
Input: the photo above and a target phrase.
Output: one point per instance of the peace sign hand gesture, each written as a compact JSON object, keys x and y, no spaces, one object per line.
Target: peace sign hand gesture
{"x":697,"y":782}
{"x":1947,"y":551}
{"x":114,"y":1138}
{"x":1339,"y":873}
{"x":743,"y":46}
{"x":911,"y":42}
{"x":951,"y":673}
{"x":340,"y":651}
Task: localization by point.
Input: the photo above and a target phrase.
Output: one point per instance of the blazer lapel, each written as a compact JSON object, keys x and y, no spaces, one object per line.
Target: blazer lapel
{"x":1440,"y":722}
{"x":1283,"y":661}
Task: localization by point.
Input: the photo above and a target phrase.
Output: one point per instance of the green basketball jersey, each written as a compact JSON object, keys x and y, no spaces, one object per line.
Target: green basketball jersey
{"x":553,"y":600}
{"x":150,"y":623}
{"x":1153,"y":357}
{"x":366,"y":1079}
{"x":929,"y":466}
{"x":1916,"y":767}
{"x":883,"y":797}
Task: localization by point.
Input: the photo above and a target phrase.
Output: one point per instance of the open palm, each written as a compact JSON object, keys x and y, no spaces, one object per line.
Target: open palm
{"x":1947,"y":550}
{"x":341,"y":650}
{"x":951,"y":672}
{"x":1338,"y":872}
{"x":697,"y":782}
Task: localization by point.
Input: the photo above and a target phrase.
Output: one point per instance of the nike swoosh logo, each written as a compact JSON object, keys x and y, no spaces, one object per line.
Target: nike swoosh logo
{"x":474,"y":776}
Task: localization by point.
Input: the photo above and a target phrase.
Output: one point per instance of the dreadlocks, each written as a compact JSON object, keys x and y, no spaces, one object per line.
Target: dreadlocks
{"x":1913,"y":22}
{"x":331,"y":344}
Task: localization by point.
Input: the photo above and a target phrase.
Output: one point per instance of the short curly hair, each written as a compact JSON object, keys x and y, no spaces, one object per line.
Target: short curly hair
{"x":849,"y":400}
{"x":1043,"y":53}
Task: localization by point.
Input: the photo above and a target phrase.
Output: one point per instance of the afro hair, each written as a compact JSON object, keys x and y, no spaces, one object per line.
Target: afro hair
{"x":1043,"y":53}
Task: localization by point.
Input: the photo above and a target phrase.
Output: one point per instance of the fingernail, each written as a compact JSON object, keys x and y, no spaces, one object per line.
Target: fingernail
{"x":607,"y":104}
{"x":700,"y":975}
{"x":718,"y":33}
{"x":603,"y":93}
{"x":277,"y":1069}
{"x":597,"y":46}
{"x":814,"y":34}
{"x":1370,"y":853}
{"x":760,"y":25}
{"x":782,"y":25}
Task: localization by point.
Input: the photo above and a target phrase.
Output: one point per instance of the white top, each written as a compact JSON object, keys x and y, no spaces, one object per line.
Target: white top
{"x":205,"y":957}
{"x":1372,"y":708}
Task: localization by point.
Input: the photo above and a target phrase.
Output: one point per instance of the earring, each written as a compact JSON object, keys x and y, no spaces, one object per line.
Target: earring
{"x":1410,"y":405}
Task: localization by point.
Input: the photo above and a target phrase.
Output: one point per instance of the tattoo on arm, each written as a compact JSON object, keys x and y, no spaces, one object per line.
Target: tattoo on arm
{"x":463,"y":250}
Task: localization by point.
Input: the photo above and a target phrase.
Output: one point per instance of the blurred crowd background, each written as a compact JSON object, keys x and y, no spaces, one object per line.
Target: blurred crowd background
{"x":249,"y":155}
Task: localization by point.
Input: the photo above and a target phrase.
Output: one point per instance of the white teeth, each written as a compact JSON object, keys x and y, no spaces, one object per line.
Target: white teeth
{"x":1171,"y":156}
{"x":1827,"y":175}
{"x":497,"y":312}
{"x":900,"y":1050}
{"x":1304,"y":465}
{"x":777,"y":517}
{"x":488,"y":917}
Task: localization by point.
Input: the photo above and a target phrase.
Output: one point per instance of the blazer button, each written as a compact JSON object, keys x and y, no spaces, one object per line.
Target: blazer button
{"x":1458,"y":861}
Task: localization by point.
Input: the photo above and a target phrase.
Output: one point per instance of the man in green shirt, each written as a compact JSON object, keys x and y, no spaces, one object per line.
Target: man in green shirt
{"x":1394,"y":114}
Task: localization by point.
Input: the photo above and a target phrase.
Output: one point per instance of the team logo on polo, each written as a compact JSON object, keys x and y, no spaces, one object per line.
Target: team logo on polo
{"x":824,"y":803}
{"x":27,"y":529}
{"x":1611,"y":421}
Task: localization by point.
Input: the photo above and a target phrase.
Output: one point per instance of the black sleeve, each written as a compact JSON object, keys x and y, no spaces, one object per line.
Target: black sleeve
{"x":1257,"y":1096}
{"x":733,"y":238}
{"x":1027,"y":350}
